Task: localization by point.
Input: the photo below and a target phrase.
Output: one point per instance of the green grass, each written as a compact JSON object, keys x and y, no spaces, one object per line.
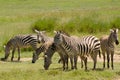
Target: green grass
{"x":77,"y":17}
{"x":28,"y":71}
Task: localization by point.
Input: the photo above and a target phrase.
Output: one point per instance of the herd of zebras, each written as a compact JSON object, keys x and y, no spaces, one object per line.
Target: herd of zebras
{"x":68,"y":47}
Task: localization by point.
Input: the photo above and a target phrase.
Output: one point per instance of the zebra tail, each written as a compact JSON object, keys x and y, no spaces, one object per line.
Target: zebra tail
{"x":99,"y":54}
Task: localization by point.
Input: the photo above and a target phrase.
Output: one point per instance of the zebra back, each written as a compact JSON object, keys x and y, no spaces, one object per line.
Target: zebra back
{"x":84,"y":45}
{"x":22,"y":41}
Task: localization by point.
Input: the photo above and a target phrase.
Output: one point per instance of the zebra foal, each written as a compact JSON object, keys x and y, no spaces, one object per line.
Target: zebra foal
{"x":107,"y":46}
{"x":20,"y":41}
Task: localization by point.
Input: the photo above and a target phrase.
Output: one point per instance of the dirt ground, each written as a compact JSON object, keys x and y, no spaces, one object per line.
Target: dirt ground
{"x":116,"y":58}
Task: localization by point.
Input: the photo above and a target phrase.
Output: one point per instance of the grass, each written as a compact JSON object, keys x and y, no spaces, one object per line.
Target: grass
{"x":28,"y":71}
{"x":77,"y":17}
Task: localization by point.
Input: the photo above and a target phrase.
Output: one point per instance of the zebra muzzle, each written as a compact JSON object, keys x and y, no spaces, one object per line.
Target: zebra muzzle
{"x":117,"y":42}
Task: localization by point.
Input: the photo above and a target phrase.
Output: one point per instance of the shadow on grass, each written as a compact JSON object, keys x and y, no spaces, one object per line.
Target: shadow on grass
{"x":61,"y":69}
{"x":16,"y":61}
{"x":98,"y":69}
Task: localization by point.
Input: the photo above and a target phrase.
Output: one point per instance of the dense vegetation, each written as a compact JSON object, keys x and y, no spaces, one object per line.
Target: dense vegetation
{"x":89,"y":24}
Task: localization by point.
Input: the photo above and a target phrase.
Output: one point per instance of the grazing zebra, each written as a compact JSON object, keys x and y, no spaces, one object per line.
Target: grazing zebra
{"x":42,"y":48}
{"x":49,"y":53}
{"x":83,"y":47}
{"x":18,"y":42}
{"x":107,"y":46}
{"x":49,"y":48}
{"x":46,"y":42}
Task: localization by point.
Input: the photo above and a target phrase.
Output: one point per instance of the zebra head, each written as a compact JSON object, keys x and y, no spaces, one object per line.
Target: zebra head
{"x":114,"y":34}
{"x":47,"y":62}
{"x":57,"y":37}
{"x":40,"y":36}
{"x":48,"y":56}
{"x":7,"y":51}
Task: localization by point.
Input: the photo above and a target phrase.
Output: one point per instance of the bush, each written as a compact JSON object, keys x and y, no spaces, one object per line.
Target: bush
{"x":46,"y":24}
{"x":80,"y":25}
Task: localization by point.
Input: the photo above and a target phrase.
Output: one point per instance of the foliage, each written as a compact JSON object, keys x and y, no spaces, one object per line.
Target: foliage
{"x":80,"y":25}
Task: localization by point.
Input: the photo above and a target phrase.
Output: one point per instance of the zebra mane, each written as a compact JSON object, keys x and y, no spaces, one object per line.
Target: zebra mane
{"x":63,"y":32}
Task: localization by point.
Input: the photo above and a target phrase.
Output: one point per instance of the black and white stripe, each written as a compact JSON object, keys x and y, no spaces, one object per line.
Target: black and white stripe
{"x":79,"y":46}
{"x":20,"y":41}
{"x":107,"y":46}
{"x":49,"y":49}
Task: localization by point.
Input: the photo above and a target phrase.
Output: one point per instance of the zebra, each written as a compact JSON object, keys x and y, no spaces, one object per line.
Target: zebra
{"x":19,"y":41}
{"x":49,"y":53}
{"x":48,"y":47}
{"x":107,"y":46}
{"x":83,"y":47}
{"x":42,"y":48}
{"x":46,"y":42}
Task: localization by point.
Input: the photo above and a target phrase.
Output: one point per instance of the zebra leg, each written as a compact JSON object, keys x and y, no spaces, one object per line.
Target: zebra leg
{"x":85,"y":62}
{"x":13,"y":51}
{"x":75,"y":62}
{"x":112,"y":54}
{"x":103,"y":53}
{"x":66,"y":61}
{"x":63,"y":64}
{"x":18,"y":54}
{"x":81,"y":63}
{"x":71,"y":60}
{"x":108,"y":59}
{"x":95,"y":60}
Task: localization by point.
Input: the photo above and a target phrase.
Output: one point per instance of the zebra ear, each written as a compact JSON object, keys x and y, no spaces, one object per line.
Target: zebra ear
{"x":4,"y":46}
{"x":36,"y":31}
{"x":55,"y":32}
{"x":111,"y":30}
{"x":116,"y":30}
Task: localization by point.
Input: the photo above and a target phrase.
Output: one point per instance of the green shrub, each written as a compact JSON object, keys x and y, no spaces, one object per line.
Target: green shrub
{"x":46,"y":24}
{"x":87,"y":24}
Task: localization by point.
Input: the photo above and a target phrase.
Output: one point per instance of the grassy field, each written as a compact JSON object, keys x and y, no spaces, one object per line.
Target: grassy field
{"x":78,"y":17}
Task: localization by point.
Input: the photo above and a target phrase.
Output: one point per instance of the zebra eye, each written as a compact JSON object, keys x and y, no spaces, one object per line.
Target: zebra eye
{"x":58,"y":37}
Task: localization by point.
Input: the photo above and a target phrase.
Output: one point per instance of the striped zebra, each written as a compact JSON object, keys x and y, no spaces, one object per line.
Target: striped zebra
{"x":20,"y":41}
{"x":49,"y":53}
{"x":83,"y":47}
{"x":42,"y":48}
{"x":48,"y":48}
{"x":46,"y":42}
{"x":107,"y":46}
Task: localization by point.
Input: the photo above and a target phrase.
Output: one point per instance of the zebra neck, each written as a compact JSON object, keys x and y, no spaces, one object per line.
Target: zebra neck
{"x":66,"y":43}
{"x":46,"y":38}
{"x":110,"y":41}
